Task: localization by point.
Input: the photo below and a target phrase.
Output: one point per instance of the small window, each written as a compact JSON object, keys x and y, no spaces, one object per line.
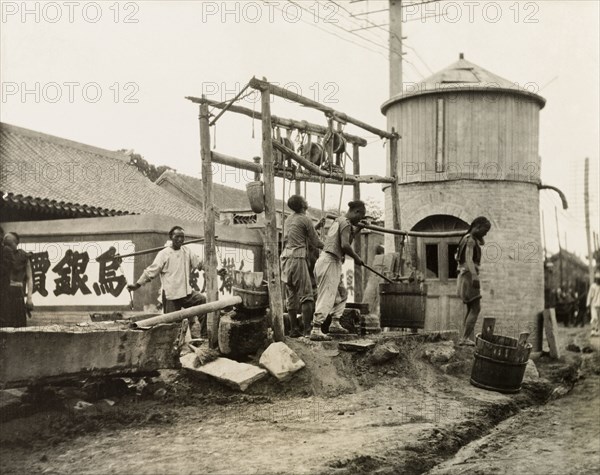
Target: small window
{"x":431,"y":261}
{"x":452,"y":266}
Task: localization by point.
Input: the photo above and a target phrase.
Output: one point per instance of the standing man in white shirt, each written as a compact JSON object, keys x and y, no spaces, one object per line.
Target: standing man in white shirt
{"x":174,"y":264}
{"x":593,"y":302}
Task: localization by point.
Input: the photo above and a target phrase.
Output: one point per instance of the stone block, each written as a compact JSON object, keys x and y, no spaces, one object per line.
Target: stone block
{"x":439,"y":352}
{"x":57,"y":352}
{"x":229,"y":372}
{"x":531,"y":372}
{"x":241,"y":337}
{"x":281,"y":361}
{"x":356,"y":345}
{"x":383,"y":353}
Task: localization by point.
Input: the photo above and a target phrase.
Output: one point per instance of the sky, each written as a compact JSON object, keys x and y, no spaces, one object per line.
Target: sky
{"x":116,"y":74}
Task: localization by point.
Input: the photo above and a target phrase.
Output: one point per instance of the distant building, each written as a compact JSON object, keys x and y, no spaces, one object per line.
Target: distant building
{"x":71,"y":203}
{"x":567,"y":271}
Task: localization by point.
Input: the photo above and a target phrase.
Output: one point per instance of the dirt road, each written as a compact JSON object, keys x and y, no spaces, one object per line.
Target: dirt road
{"x":559,"y":438}
{"x":339,"y":415}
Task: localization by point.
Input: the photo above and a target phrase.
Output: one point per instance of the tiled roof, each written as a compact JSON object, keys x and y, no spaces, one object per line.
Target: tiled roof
{"x":225,"y":197}
{"x":47,"y":171}
{"x":67,"y":210}
{"x":462,"y":75}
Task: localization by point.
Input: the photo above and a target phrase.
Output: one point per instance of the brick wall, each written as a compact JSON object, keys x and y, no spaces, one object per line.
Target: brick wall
{"x":512,"y":265}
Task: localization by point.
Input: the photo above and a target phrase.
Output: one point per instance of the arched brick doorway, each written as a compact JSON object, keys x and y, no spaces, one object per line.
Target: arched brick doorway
{"x":435,"y":258}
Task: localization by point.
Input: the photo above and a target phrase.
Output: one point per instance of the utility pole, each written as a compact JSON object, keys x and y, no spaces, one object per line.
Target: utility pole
{"x":395,"y":47}
{"x":586,"y":198}
{"x":560,"y":259}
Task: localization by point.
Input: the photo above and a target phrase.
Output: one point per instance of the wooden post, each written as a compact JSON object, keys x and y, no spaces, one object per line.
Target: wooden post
{"x":358,"y":274}
{"x":395,"y":41}
{"x":270,"y":233}
{"x":551,"y":330}
{"x":210,"y":254}
{"x":398,"y":240}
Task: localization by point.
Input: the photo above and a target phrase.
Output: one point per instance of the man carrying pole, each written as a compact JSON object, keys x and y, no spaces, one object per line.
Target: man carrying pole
{"x":328,"y":269}
{"x":174,"y":264}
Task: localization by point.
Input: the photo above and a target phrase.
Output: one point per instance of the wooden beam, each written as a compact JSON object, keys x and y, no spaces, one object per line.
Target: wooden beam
{"x":399,"y":239}
{"x":398,"y":232}
{"x":270,"y":235}
{"x":337,"y":176}
{"x":229,"y":104}
{"x":179,"y":315}
{"x":358,"y":274}
{"x":279,"y":121}
{"x":210,"y":254}
{"x":305,"y":101}
{"x":236,"y":162}
{"x":256,"y":167}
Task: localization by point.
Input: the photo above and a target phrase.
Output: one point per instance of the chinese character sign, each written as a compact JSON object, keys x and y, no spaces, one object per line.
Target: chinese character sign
{"x":80,"y":273}
{"x":228,"y":260}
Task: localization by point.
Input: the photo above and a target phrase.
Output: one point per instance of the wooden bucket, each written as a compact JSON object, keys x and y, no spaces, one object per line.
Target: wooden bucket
{"x":256,"y":196}
{"x":402,"y":305}
{"x":500,"y":363}
{"x":315,"y":154}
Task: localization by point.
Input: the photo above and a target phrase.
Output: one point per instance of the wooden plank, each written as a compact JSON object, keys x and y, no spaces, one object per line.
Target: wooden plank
{"x":551,"y":330}
{"x":487,"y":330}
{"x":270,"y":236}
{"x":210,"y":253}
{"x":300,"y":125}
{"x":539,"y":332}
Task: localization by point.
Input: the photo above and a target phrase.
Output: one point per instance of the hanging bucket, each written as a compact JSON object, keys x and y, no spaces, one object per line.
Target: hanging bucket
{"x":279,"y":157}
{"x":256,"y":196}
{"x":402,"y":305}
{"x":315,"y":154}
{"x":500,"y":363}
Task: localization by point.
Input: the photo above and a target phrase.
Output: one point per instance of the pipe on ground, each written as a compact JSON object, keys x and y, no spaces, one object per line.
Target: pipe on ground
{"x":180,"y":315}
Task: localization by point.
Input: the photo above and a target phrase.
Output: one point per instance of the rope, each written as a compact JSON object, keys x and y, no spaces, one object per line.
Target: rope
{"x":283,"y":209}
{"x":253,"y":112}
{"x":342,"y":187}
{"x":322,"y":185}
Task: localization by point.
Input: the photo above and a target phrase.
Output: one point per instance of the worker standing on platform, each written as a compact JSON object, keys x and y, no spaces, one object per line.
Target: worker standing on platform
{"x":468,"y":257}
{"x":328,"y":269}
{"x":300,"y":236}
{"x":174,"y":264}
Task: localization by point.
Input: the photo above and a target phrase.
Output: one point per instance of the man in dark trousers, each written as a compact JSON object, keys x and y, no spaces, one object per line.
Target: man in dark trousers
{"x":174,"y":265}
{"x":300,"y":237}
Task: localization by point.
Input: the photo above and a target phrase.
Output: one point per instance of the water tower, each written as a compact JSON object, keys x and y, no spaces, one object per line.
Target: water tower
{"x":469,"y":147}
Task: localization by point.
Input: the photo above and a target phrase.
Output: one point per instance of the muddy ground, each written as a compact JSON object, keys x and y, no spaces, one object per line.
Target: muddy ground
{"x":341,"y":414}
